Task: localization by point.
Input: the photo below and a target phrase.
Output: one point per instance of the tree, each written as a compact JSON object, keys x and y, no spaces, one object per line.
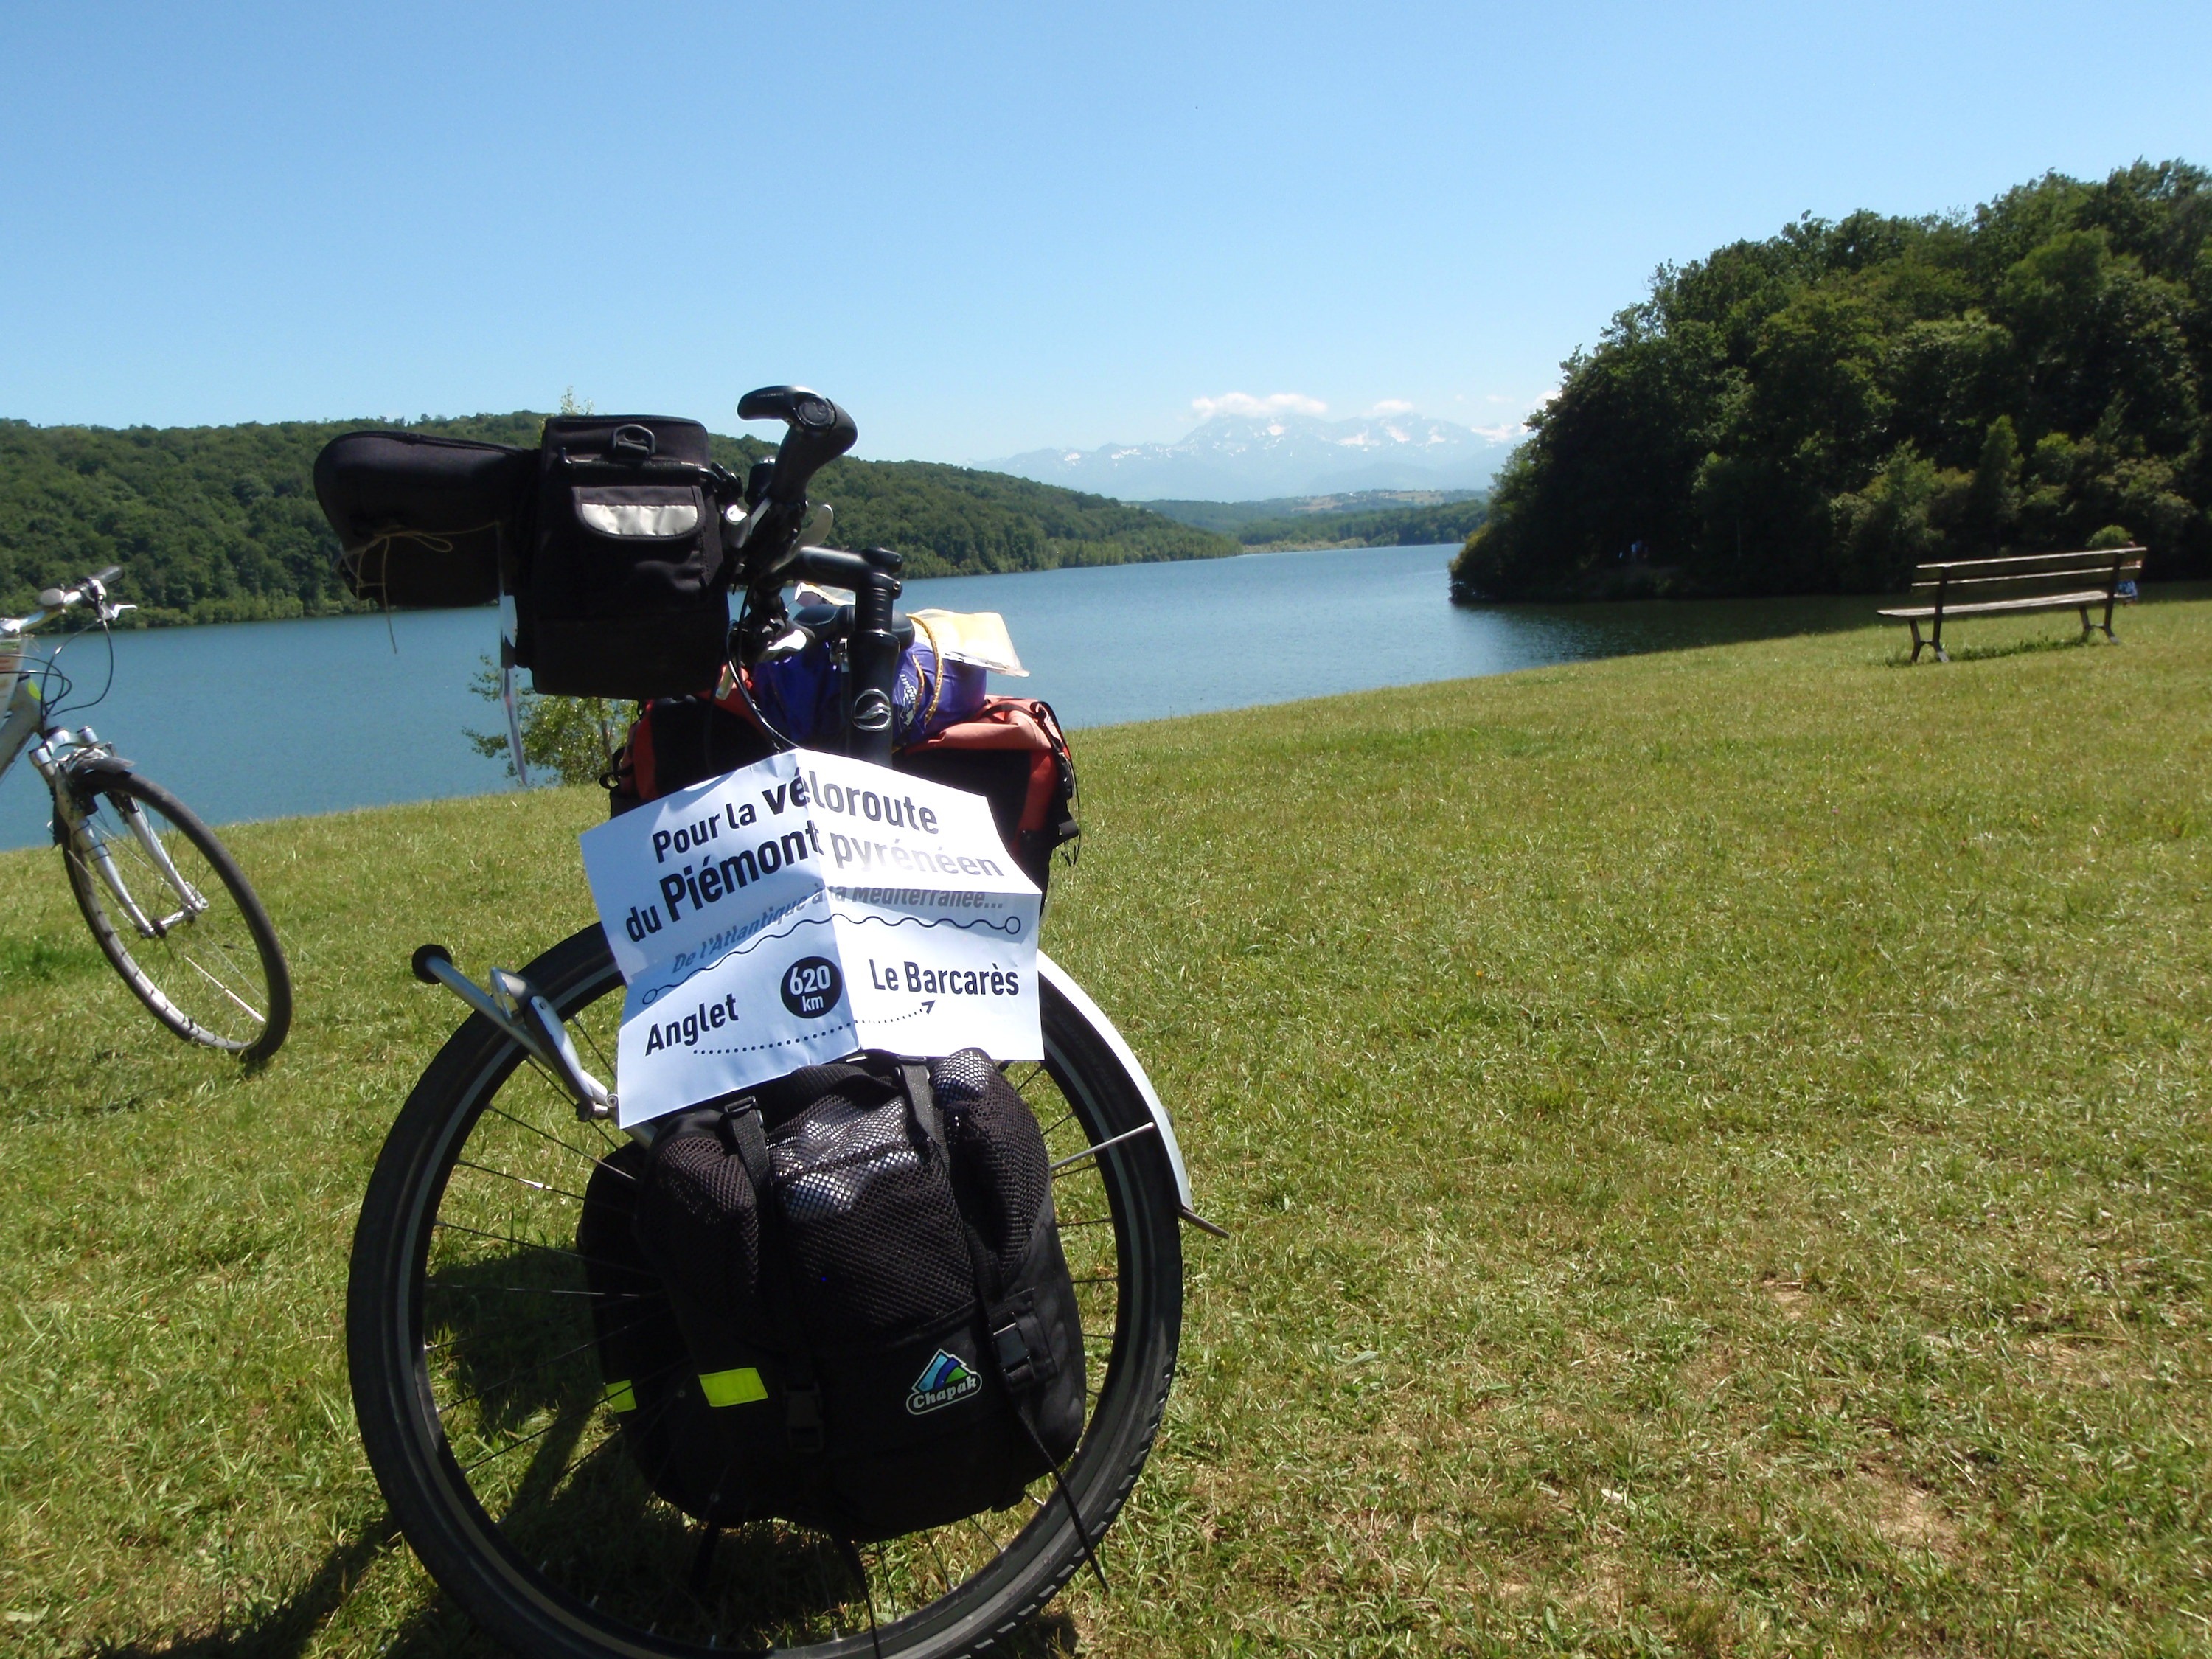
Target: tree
{"x":571,"y":738}
{"x":1821,"y":409}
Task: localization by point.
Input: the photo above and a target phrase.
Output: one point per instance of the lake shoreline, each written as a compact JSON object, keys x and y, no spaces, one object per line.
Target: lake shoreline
{"x":249,"y":722}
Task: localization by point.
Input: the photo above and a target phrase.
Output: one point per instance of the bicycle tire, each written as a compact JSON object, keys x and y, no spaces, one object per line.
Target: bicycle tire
{"x":414,"y":1396}
{"x":219,"y":1013}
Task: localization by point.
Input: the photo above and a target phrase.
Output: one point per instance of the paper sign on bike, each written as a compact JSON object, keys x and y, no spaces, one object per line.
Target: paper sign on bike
{"x":800,"y":909}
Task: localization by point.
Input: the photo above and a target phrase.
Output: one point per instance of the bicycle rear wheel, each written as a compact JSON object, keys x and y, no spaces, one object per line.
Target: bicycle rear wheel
{"x":476,"y":1383}
{"x":172,"y":911}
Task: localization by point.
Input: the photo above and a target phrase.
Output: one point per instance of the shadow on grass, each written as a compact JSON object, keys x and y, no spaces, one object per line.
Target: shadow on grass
{"x":589,"y":1511}
{"x":1903,"y":658}
{"x":287,"y":1629}
{"x":439,"y":1630}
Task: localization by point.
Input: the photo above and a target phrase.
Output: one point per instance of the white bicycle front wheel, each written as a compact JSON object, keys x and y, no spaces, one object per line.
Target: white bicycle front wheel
{"x":173,"y":913}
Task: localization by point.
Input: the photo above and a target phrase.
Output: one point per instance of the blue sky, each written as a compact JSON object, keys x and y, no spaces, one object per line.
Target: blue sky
{"x":982,"y":229}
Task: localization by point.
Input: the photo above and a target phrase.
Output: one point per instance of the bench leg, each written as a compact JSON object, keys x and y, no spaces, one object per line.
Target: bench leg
{"x":2111,"y":600}
{"x":2087,"y":627}
{"x":1936,"y":639}
{"x":1913,"y":622}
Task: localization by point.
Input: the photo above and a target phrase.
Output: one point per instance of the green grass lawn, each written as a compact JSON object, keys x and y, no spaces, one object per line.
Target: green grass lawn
{"x":1716,"y":1146}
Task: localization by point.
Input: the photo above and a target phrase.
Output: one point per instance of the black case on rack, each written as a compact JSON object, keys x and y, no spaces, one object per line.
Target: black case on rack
{"x":624,"y":588}
{"x":424,"y":521}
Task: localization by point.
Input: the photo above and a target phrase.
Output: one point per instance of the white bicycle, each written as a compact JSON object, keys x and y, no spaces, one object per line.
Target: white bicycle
{"x":165,"y":901}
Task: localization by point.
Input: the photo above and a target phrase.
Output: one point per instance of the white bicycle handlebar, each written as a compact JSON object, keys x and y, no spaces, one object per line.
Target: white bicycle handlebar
{"x":55,"y":600}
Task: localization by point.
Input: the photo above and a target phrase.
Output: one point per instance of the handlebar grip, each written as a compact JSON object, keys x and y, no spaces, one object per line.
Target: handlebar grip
{"x":108,"y":575}
{"x":818,"y":433}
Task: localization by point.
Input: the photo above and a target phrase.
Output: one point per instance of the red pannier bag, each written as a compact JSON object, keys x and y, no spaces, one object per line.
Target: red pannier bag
{"x":1013,"y":753}
{"x":676,"y":742}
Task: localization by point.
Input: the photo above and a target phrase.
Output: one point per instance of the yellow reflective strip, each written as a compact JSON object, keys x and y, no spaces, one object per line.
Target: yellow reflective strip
{"x":621,"y":1397}
{"x":739,"y":1388}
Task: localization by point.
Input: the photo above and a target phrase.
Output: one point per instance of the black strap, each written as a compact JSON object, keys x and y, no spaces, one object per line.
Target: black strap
{"x":802,"y":1393}
{"x":703,"y":1562}
{"x":742,"y":1133}
{"x":1010,"y":1349}
{"x":850,"y":1552}
{"x":923,"y":1097}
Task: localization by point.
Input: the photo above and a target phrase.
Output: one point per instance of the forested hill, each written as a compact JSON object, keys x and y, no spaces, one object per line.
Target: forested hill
{"x":1821,"y":410}
{"x":1367,"y":518}
{"x":220,"y":523}
{"x":1402,"y":526}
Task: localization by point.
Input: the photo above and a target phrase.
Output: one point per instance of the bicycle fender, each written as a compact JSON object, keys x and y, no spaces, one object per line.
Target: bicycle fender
{"x":105,"y":765}
{"x":1065,"y":984}
{"x":81,"y":769}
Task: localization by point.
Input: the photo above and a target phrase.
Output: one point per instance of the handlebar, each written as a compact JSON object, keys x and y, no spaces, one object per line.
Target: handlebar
{"x":818,"y":432}
{"x":53,"y":600}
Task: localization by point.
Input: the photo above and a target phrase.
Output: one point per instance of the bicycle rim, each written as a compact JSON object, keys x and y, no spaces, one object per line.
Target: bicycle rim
{"x":481,"y":1406}
{"x":174,"y":914}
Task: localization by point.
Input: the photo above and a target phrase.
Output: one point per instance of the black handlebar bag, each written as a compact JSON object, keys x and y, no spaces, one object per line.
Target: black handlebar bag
{"x":625,"y":589}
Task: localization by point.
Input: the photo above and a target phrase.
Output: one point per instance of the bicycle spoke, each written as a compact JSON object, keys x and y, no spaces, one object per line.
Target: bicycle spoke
{"x":517,"y":1445}
{"x":549,"y":1249}
{"x":252,"y":1012}
{"x":1096,"y":1147}
{"x":532,"y":1370}
{"x":521,"y":1181}
{"x":540,"y":1289}
{"x":590,"y":1157}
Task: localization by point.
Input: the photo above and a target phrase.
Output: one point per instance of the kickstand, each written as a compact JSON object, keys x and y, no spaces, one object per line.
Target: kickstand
{"x":513,"y":716}
{"x":851,"y":1554}
{"x":703,"y":1564}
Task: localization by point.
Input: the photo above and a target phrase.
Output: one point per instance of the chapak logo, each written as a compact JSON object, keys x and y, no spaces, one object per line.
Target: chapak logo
{"x":946,"y":1378}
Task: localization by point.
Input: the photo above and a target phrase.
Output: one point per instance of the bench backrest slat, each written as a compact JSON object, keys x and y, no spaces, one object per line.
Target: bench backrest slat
{"x":2094,"y":576}
{"x":2086,"y":562}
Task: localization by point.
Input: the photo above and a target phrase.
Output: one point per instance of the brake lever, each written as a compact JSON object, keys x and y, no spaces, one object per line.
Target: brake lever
{"x":791,"y":643}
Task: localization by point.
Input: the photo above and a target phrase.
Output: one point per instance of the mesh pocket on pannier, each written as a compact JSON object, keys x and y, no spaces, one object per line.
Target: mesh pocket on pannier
{"x":871,"y":1232}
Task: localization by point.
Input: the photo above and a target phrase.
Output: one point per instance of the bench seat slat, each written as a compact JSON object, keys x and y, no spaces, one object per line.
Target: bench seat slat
{"x":2046,"y":602}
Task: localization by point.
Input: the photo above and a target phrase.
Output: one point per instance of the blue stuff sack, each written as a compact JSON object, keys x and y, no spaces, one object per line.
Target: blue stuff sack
{"x":932,"y":693}
{"x":801,"y":696}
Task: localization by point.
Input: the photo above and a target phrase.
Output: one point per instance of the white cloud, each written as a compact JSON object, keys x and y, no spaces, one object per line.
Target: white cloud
{"x":1243,"y":402}
{"x":1392,"y":406}
{"x":1512,"y":431}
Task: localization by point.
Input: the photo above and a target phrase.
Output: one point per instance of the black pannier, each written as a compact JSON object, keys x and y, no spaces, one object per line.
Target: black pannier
{"x":423,"y":521}
{"x":840,"y":1301}
{"x":625,"y":589}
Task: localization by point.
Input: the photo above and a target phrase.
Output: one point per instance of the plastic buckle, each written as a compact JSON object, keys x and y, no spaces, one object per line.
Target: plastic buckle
{"x":1013,"y":1349}
{"x":802,"y":1417}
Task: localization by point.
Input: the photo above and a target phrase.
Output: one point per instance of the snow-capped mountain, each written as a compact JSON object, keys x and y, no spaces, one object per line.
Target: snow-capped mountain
{"x":1235,"y":458}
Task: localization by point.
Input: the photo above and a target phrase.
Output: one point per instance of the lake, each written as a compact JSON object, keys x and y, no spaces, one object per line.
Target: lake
{"x":266,"y":719}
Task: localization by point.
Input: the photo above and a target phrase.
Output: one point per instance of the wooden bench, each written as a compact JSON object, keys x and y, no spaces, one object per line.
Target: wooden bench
{"x":2023,"y":582}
